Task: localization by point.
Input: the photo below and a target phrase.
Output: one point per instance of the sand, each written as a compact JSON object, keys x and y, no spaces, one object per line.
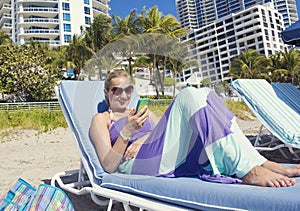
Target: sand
{"x":37,"y":157}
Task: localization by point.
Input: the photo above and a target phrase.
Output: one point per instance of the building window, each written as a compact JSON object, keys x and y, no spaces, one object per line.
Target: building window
{"x":87,"y":2}
{"x":67,"y":37}
{"x":66,"y":6}
{"x":87,"y":10}
{"x":67,"y":27}
{"x":87,"y":20}
{"x":66,"y":17}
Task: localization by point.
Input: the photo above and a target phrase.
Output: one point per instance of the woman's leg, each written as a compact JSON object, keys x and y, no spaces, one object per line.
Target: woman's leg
{"x":235,"y":155}
{"x":261,"y":176}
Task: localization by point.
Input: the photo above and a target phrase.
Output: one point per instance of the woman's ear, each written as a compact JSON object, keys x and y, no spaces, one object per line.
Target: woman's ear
{"x":106,"y":97}
{"x":105,"y":92}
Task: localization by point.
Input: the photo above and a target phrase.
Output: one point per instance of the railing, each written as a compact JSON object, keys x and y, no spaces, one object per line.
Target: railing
{"x":50,"y":42}
{"x":41,"y":31}
{"x":54,"y":105}
{"x":38,"y":9}
{"x":50,"y":106}
{"x":38,"y":0}
{"x":43,"y":20}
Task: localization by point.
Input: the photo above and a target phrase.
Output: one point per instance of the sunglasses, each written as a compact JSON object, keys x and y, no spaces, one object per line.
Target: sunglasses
{"x":118,"y":90}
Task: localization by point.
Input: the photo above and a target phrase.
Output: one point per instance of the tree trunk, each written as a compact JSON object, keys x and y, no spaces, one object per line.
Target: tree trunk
{"x":154,"y":78}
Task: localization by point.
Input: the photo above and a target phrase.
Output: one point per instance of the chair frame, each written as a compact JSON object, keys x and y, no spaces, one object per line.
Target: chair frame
{"x":83,"y":186}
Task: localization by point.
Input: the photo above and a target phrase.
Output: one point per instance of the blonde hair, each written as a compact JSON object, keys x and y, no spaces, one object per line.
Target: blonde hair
{"x":110,"y":76}
{"x":113,"y":74}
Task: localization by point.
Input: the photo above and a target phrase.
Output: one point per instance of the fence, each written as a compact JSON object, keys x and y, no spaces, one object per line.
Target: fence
{"x":54,"y":105}
{"x":50,"y":106}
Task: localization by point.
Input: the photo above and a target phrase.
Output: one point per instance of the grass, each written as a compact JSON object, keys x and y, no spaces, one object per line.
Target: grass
{"x":37,"y":119}
{"x":240,"y":109}
{"x":43,"y":120}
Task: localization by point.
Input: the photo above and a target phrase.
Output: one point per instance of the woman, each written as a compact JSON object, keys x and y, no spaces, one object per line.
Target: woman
{"x":197,"y":136}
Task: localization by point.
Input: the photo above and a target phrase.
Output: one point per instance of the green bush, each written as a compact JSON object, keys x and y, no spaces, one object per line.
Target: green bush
{"x":169,"y":81}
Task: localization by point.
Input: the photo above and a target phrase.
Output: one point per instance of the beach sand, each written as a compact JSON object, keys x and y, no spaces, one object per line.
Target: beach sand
{"x":37,"y":157}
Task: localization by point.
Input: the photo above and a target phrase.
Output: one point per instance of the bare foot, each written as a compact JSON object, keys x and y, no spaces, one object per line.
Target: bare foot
{"x":292,"y":171}
{"x":262,"y":176}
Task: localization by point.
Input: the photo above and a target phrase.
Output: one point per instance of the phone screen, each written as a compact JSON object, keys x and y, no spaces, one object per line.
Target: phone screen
{"x":142,"y":103}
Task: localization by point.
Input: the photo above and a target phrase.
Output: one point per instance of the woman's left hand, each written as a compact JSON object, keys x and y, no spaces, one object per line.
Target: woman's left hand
{"x":132,"y":150}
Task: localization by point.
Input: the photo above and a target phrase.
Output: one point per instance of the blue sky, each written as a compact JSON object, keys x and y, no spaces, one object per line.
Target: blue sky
{"x":298,"y":7}
{"x":123,"y":7}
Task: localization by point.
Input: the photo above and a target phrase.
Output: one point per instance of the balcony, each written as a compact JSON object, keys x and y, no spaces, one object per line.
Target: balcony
{"x":6,"y":8}
{"x":45,"y":12}
{"x":42,"y":22}
{"x":41,"y":33}
{"x":101,"y":4}
{"x":5,"y":18}
{"x":6,"y":27}
{"x":38,"y":1}
{"x":97,"y":11}
{"x":49,"y":42}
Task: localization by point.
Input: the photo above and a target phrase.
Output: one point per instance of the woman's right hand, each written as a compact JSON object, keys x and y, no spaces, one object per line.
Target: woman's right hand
{"x":135,"y":121}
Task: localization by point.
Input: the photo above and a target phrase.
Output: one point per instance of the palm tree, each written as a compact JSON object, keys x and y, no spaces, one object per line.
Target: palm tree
{"x":78,"y":52}
{"x":99,"y":34}
{"x":4,"y":39}
{"x":291,"y":61}
{"x":179,"y":66}
{"x":155,"y":22}
{"x":249,"y":64}
{"x":276,"y":68}
{"x":130,"y":25}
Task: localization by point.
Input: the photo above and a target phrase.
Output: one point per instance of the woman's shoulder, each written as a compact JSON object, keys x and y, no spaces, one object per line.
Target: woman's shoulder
{"x":102,"y":116}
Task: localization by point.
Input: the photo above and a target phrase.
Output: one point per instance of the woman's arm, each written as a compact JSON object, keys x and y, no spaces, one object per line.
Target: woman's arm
{"x":110,"y":156}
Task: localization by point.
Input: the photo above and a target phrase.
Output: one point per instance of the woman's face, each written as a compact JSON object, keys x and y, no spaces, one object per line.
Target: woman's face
{"x":119,"y":94}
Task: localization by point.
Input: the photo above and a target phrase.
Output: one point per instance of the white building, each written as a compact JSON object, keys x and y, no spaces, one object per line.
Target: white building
{"x":48,"y":21}
{"x":197,"y":13}
{"x":216,"y":44}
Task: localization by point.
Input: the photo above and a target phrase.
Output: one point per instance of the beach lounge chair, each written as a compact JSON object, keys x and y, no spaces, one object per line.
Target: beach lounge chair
{"x":80,"y":100}
{"x":289,"y":94}
{"x":274,"y":113}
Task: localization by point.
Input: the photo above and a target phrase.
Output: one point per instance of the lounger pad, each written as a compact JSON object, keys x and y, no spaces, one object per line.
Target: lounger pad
{"x":197,"y":194}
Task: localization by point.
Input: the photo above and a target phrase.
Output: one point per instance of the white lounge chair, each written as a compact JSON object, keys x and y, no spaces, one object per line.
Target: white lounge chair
{"x":274,"y":114}
{"x":80,"y":100}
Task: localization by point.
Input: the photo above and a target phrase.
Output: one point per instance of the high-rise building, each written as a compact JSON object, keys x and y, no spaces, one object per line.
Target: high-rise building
{"x":217,"y":43}
{"x":48,"y":21}
{"x":197,"y":13}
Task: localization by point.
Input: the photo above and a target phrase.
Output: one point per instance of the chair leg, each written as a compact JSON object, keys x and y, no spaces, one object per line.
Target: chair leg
{"x":126,"y":206}
{"x":110,"y":204}
{"x":258,"y":138}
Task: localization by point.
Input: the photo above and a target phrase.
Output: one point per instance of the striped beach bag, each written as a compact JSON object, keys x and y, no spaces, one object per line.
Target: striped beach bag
{"x":18,"y":197}
{"x":23,"y":197}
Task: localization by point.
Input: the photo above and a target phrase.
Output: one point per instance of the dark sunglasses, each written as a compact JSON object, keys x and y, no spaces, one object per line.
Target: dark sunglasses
{"x":119,"y":90}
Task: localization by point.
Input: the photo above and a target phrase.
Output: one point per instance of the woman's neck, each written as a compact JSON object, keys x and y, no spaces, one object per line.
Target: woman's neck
{"x":120,"y":113}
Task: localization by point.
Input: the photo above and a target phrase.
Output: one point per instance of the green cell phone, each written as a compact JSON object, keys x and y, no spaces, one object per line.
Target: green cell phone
{"x":142,"y":103}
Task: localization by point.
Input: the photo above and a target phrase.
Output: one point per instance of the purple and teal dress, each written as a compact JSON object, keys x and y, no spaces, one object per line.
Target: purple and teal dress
{"x":196,"y":137}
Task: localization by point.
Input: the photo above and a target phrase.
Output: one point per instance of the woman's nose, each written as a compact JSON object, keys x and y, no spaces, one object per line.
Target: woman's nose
{"x":124,"y":95}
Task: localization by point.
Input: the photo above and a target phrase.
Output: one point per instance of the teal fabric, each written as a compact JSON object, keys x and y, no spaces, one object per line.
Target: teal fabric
{"x":230,"y":155}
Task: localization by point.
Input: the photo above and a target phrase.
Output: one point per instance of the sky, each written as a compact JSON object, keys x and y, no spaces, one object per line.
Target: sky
{"x":123,"y":7}
{"x":298,"y":7}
